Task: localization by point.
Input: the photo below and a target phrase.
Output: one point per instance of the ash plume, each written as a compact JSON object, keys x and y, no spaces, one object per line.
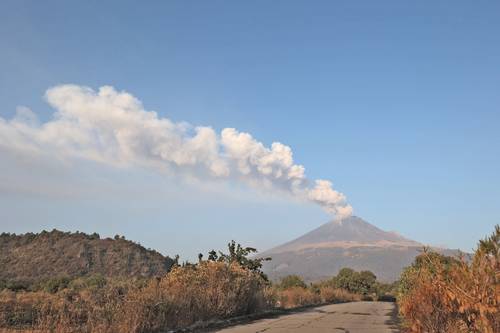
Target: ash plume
{"x":112,"y":127}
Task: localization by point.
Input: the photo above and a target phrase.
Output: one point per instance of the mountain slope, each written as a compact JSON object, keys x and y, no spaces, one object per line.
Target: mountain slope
{"x":350,"y":232}
{"x":352,"y":243}
{"x":52,"y":254}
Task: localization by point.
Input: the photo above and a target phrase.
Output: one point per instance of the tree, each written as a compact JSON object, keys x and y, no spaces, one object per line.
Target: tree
{"x":357,"y":282}
{"x":291,"y":281}
{"x":366,"y":282}
{"x":240,"y":255}
{"x":344,"y":279}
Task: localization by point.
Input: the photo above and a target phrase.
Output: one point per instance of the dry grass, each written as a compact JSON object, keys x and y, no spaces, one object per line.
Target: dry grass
{"x":210,"y":290}
{"x":187,"y":295}
{"x":297,"y":296}
{"x":294,"y":297}
{"x":335,"y":295}
{"x":448,"y":295}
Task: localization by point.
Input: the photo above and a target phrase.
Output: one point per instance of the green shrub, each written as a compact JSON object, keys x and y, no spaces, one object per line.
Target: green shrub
{"x":18,"y":285}
{"x":89,"y":282}
{"x":291,"y":281}
{"x":56,"y":284}
{"x":363,"y":282}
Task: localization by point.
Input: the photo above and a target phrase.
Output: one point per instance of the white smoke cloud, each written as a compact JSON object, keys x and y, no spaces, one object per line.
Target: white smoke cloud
{"x":112,"y":127}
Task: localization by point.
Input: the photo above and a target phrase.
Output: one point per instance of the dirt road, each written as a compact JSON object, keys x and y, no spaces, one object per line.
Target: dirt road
{"x":357,"y":317}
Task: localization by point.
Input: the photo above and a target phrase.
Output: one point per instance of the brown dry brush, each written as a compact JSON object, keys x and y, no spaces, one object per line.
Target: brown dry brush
{"x":292,"y":292}
{"x":210,"y":290}
{"x":294,"y":297}
{"x":443,"y":294}
{"x":336,"y":295}
{"x":190,"y":294}
{"x":88,"y":310}
{"x":187,"y":295}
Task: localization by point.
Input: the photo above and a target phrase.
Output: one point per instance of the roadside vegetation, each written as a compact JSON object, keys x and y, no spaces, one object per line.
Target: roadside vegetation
{"x":435,"y":294}
{"x":347,"y":286}
{"x":221,"y":286}
{"x":453,"y":295}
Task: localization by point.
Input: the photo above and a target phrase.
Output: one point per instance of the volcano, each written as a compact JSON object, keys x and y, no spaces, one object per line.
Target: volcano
{"x":351,"y":242}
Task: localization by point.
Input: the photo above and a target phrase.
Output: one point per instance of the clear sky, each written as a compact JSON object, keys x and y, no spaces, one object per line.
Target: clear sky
{"x":396,"y":102}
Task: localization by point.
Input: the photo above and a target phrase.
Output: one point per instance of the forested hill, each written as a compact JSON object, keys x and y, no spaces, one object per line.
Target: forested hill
{"x":49,"y":254}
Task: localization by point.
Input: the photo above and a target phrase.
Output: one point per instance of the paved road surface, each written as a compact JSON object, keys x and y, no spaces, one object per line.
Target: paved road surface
{"x":356,"y":317}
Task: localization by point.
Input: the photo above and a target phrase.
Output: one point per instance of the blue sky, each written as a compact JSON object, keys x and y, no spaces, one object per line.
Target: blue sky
{"x":396,"y":102}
